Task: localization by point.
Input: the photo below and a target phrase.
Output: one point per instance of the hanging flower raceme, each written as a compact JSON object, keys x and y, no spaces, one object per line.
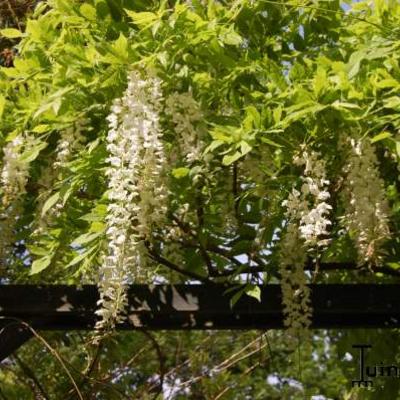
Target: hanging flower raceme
{"x":137,"y":190}
{"x":366,"y":207}
{"x":296,"y":301}
{"x":314,"y":211}
{"x":71,"y":140}
{"x":307,"y":223}
{"x":15,"y":172}
{"x":14,"y":177}
{"x":185,"y":112}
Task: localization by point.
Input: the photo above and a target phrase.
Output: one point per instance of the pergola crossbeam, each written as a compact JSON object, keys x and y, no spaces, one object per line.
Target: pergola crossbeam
{"x":188,"y":307}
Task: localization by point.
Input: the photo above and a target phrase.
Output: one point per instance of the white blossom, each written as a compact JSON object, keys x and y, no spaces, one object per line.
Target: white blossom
{"x":307,"y":224}
{"x":14,"y":177}
{"x":137,"y":190}
{"x":366,"y":207}
{"x":15,"y":172}
{"x":185,"y":114}
{"x":296,"y":301}
{"x":310,"y":205}
{"x":71,"y":140}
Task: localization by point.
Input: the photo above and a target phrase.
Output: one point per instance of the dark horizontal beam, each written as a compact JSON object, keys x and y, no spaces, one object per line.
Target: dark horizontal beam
{"x":185,"y":307}
{"x":200,"y":307}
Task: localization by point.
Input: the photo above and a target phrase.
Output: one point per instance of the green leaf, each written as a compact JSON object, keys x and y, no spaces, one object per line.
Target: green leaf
{"x":342,"y":104}
{"x":232,"y":38}
{"x":245,"y":147}
{"x":11,"y":33}
{"x":38,"y":251}
{"x":2,"y":104}
{"x":40,"y":264}
{"x":231,"y":158}
{"x":254,"y":291}
{"x":297,"y":115}
{"x":353,"y":65}
{"x":54,"y":101}
{"x":277,"y":114}
{"x":381,"y":136}
{"x":269,"y":141}
{"x":79,"y":257}
{"x":50,"y":202}
{"x":88,"y":11}
{"x":398,"y":149}
{"x":253,"y":118}
{"x":97,"y":226}
{"x":392,"y":102}
{"x":236,"y":297}
{"x":121,"y":46}
{"x":224,"y":133}
{"x":393,"y":265}
{"x":179,"y":173}
{"x":86,"y":238}
{"x":142,"y":19}
{"x":32,"y":153}
{"x":41,"y":128}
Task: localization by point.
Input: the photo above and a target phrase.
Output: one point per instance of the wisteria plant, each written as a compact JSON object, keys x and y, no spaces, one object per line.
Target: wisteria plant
{"x":246,"y":141}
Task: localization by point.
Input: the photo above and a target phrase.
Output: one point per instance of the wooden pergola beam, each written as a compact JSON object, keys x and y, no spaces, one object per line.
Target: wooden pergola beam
{"x":188,"y":307}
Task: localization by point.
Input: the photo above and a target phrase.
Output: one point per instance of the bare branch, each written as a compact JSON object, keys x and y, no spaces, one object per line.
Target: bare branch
{"x":31,"y":375}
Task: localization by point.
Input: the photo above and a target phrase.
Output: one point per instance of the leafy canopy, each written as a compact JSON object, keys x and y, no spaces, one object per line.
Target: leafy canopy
{"x":269,"y":78}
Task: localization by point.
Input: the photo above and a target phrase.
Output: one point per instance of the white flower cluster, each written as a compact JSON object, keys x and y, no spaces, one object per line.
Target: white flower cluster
{"x":366,"y":207}
{"x":137,"y":190}
{"x":71,"y":140}
{"x":45,"y":183}
{"x":310,"y":205}
{"x":15,"y":172}
{"x":185,"y":113}
{"x":296,"y":301}
{"x":307,"y":220}
{"x":14,"y":177}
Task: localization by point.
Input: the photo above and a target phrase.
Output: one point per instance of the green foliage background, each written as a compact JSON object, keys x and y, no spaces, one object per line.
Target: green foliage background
{"x":270,"y":76}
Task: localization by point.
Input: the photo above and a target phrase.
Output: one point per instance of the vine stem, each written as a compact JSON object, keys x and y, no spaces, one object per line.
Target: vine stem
{"x":50,"y":349}
{"x":28,"y":371}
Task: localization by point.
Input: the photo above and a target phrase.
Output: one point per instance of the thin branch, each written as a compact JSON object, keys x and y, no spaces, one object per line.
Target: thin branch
{"x":86,"y":374}
{"x":223,"y":365}
{"x":174,"y":267}
{"x":93,"y":364}
{"x":161,"y":360}
{"x":235,"y":189}
{"x":327,"y":10}
{"x":224,"y":253}
{"x":354,"y":267}
{"x":324,"y":267}
{"x":31,"y":375}
{"x":246,"y":372}
{"x":50,"y":349}
{"x":200,"y":217}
